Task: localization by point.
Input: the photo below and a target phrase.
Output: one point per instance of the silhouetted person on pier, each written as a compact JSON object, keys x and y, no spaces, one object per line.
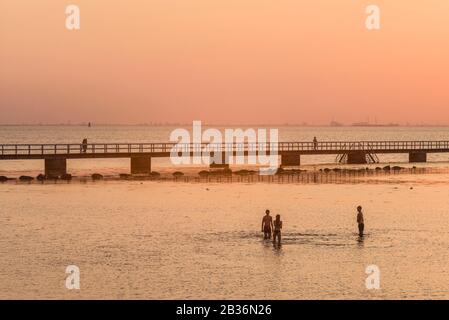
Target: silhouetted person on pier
{"x":84,"y":145}
{"x":267,"y":225}
{"x":277,"y":230}
{"x":315,"y":143}
{"x":360,"y":221}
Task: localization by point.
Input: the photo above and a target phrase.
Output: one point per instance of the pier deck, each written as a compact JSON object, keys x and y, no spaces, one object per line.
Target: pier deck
{"x":55,"y":155}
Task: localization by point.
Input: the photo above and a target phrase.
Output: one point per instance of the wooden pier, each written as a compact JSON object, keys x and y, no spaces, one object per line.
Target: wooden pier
{"x":55,"y":156}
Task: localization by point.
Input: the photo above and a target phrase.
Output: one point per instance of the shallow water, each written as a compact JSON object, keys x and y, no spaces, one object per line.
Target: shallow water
{"x":146,"y":239}
{"x":199,"y":239}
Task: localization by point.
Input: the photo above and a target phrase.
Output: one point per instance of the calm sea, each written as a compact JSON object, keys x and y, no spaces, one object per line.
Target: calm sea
{"x":176,"y":240}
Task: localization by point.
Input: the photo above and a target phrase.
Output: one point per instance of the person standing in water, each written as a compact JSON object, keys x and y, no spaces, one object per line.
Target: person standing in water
{"x":277,"y":229}
{"x":267,"y":225}
{"x":360,"y":221}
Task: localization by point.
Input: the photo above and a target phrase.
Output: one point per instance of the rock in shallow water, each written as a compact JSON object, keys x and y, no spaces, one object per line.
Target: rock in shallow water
{"x":25,"y":178}
{"x":203,"y":173}
{"x":155,"y":174}
{"x":178,"y":174}
{"x":66,"y":176}
{"x":97,"y":176}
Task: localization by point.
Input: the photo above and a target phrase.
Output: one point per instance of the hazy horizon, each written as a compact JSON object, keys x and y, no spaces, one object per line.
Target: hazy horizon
{"x":189,"y":123}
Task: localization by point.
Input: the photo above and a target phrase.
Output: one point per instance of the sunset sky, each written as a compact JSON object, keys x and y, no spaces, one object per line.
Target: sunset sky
{"x":224,"y":61}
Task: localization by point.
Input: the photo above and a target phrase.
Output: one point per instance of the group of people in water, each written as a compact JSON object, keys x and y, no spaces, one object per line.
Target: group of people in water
{"x":268,"y":225}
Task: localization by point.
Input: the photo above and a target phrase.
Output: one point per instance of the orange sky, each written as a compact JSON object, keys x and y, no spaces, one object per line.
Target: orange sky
{"x":224,"y":61}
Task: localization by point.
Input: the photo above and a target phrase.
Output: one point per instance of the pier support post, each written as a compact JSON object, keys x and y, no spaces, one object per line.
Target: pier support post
{"x":356,"y":158}
{"x":141,"y":165}
{"x":417,"y":157}
{"x":290,"y":159}
{"x":222,"y":163}
{"x":55,"y":167}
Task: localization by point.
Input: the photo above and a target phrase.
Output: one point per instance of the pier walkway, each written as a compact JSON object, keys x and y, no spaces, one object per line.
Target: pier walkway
{"x":55,"y":156}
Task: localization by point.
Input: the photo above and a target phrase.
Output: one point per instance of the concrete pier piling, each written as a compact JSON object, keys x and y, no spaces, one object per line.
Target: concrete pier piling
{"x":356,"y":158}
{"x":290,"y":159}
{"x":417,"y":157}
{"x":55,"y":167}
{"x":141,"y":165}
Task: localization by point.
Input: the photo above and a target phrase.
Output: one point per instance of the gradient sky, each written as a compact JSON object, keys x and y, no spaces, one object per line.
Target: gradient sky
{"x":224,"y":61}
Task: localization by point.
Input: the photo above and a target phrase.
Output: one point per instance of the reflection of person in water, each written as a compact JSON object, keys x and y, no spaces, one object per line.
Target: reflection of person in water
{"x":360,"y":220}
{"x":277,"y":229}
{"x":267,"y":225}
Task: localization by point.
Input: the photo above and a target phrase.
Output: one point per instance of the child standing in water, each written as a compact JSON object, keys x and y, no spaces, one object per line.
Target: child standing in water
{"x":277,"y":229}
{"x":360,"y":221}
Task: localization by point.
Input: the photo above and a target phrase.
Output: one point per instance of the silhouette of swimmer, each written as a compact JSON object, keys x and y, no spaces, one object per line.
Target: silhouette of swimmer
{"x":277,"y":229}
{"x":267,"y":225}
{"x":360,"y":221}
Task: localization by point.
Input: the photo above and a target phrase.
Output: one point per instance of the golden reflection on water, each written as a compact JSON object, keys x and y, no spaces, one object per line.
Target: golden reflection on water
{"x":174,"y":240}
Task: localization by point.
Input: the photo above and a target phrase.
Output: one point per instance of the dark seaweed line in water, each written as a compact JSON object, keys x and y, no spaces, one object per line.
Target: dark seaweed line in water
{"x":319,"y":177}
{"x":326,"y":176}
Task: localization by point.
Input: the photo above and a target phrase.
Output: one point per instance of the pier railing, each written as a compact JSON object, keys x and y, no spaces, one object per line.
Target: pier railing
{"x":310,"y":147}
